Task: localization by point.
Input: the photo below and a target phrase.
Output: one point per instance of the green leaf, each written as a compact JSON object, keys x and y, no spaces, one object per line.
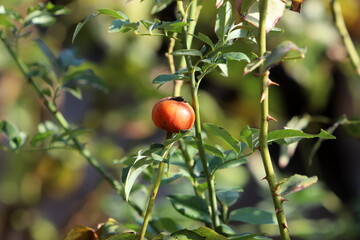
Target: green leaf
{"x":224,"y":135}
{"x":85,"y":77}
{"x":160,"y":5}
{"x":16,"y":138}
{"x":250,"y":136}
{"x":39,"y":17}
{"x":252,"y":215}
{"x":51,"y":57}
{"x":254,"y":64}
{"x":191,"y":206}
{"x":205,"y":39}
{"x":164,"y":78}
{"x":295,"y":183}
{"x":288,"y":136}
{"x":210,"y":149}
{"x":185,"y":235}
{"x":208,"y":233}
{"x":67,"y":59}
{"x":108,"y":229}
{"x":280,"y":53}
{"x":228,"y":196}
{"x":352,"y":128}
{"x":123,"y":26}
{"x":235,"y":56}
{"x":250,"y":236}
{"x":187,"y":52}
{"x":140,"y":164}
{"x":123,"y":236}
{"x":176,"y":26}
{"x":39,"y":137}
{"x":223,"y":20}
{"x":109,"y":12}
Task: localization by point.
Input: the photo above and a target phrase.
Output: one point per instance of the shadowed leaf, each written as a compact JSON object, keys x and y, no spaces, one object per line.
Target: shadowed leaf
{"x":295,"y":183}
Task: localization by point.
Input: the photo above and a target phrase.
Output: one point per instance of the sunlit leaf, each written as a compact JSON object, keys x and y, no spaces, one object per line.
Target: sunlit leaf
{"x":123,"y":236}
{"x":187,"y":52}
{"x":108,"y":228}
{"x":205,"y":39}
{"x":250,"y":136}
{"x":132,"y":172}
{"x":295,"y":183}
{"x":249,"y":236}
{"x":116,"y":14}
{"x":224,"y":135}
{"x":16,"y":138}
{"x":160,"y":5}
{"x":208,"y":233}
{"x":223,"y":20}
{"x":185,"y":235}
{"x":288,"y":136}
{"x":191,"y":206}
{"x":252,"y":215}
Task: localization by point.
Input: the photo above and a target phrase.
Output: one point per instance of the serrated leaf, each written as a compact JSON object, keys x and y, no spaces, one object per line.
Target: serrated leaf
{"x":81,"y":233}
{"x":224,"y":135}
{"x":288,"y":136}
{"x":191,"y":206}
{"x":295,"y":183}
{"x":252,"y":215}
{"x":280,"y":52}
{"x":187,"y":52}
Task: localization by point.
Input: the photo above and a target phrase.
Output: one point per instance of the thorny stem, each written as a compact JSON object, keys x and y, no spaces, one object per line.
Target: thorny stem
{"x":341,"y":27}
{"x":66,"y":126}
{"x":195,"y":103}
{"x":155,"y":189}
{"x":264,"y":124}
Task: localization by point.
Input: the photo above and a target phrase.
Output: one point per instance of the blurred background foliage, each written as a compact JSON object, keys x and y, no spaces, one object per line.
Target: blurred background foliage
{"x":43,"y":194}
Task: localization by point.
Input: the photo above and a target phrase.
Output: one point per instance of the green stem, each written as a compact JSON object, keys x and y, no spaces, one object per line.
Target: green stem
{"x":195,"y":104}
{"x":155,"y":189}
{"x":341,"y":27}
{"x":264,"y":125}
{"x":65,"y":125}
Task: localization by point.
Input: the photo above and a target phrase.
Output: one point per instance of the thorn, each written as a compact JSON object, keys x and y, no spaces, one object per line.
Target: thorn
{"x":264,"y":178}
{"x":277,"y":211}
{"x":271,"y":83}
{"x":283,"y":200}
{"x":270,"y":118}
{"x":284,"y":226}
{"x":263,"y":96}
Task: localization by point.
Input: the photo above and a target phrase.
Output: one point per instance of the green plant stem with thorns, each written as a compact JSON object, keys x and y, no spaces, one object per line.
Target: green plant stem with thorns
{"x":155,"y":189}
{"x":264,"y":124}
{"x":66,"y":126}
{"x":194,"y":8}
{"x":341,"y":27}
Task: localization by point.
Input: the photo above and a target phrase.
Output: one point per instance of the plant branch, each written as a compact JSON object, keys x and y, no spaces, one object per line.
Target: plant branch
{"x":199,"y":140}
{"x":65,"y":125}
{"x":341,"y":27}
{"x":264,"y":125}
{"x":155,"y":189}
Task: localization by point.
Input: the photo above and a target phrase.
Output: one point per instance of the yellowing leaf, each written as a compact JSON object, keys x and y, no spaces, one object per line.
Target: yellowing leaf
{"x":81,"y":233}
